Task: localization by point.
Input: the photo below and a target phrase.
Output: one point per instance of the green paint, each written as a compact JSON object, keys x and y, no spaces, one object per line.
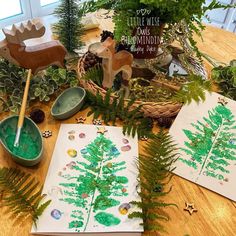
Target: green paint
{"x":107,"y":219}
{"x":28,"y":148}
{"x":97,"y":180}
{"x":75,"y":224}
{"x":103,"y":202}
{"x":211,"y":146}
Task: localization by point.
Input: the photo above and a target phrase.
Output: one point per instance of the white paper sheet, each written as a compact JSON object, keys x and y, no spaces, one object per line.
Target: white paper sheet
{"x":206,"y":136}
{"x":91,"y":180}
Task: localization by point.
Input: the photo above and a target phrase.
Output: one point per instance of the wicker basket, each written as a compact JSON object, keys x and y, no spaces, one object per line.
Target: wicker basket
{"x":150,"y":109}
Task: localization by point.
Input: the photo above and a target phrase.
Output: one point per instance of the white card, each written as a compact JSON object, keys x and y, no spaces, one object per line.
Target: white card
{"x":91,"y":181}
{"x":206,"y":136}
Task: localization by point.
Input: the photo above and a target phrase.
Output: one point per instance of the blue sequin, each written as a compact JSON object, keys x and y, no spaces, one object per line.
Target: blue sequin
{"x":114,"y":151}
{"x":84,"y":151}
{"x":56,"y":214}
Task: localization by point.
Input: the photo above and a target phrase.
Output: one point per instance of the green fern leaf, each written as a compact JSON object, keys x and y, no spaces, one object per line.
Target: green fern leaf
{"x":154,"y":166}
{"x":21,"y":195}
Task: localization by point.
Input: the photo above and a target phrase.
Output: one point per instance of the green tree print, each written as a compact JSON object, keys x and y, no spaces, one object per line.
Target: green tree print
{"x":97,"y":186}
{"x":212,"y":144}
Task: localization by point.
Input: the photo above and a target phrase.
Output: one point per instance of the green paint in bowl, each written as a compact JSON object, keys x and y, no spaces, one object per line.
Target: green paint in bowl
{"x":30,"y":148}
{"x":68,"y":103}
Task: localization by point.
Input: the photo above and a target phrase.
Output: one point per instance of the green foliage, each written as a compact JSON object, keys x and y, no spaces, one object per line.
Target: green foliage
{"x":211,"y":145}
{"x":154,"y":175}
{"x":69,"y":27}
{"x":98,"y":184}
{"x":112,"y":109}
{"x":142,"y":90}
{"x":95,"y":74}
{"x":225,"y":77}
{"x":21,"y":194}
{"x":42,"y":86}
{"x":168,"y":11}
{"x":193,"y":90}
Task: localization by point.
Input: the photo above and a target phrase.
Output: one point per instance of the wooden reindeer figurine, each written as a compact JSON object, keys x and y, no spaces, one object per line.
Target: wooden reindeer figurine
{"x":36,"y":57}
{"x":113,"y":63}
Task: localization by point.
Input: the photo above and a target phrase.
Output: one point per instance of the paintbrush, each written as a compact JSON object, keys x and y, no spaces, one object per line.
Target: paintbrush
{"x":22,"y":110}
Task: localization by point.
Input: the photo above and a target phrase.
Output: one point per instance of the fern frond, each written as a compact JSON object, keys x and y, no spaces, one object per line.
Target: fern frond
{"x":21,"y":193}
{"x":134,"y":121}
{"x":95,"y":74}
{"x":194,"y":90}
{"x":154,"y":167}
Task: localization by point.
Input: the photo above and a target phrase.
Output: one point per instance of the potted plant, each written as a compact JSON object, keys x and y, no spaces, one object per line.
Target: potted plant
{"x":168,"y":12}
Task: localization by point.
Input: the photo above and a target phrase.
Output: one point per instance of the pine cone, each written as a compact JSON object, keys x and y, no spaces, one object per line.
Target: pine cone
{"x":105,"y":34}
{"x":37,"y":115}
{"x":90,"y":60}
{"x":165,"y":122}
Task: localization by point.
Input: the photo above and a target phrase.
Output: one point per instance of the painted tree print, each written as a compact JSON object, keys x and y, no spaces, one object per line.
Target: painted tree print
{"x":96,"y":187}
{"x":212,"y":144}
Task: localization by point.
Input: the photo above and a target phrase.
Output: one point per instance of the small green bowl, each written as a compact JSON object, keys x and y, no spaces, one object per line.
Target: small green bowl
{"x":68,"y":103}
{"x":30,"y":149}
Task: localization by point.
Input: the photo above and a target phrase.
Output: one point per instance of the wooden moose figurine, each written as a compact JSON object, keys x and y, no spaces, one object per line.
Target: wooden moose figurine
{"x":36,"y":57}
{"x":113,"y":63}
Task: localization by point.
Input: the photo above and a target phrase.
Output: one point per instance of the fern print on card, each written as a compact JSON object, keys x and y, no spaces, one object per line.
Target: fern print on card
{"x":91,"y":181}
{"x":206,"y":136}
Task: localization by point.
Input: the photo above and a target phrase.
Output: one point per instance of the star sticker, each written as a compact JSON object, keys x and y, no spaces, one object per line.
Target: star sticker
{"x":190,"y":208}
{"x":144,"y":138}
{"x":97,"y":122}
{"x":222,"y":101}
{"x":47,"y":133}
{"x":101,"y":130}
{"x":80,"y":120}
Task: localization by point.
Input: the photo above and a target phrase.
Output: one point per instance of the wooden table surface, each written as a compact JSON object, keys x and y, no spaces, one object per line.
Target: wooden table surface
{"x":216,"y":215}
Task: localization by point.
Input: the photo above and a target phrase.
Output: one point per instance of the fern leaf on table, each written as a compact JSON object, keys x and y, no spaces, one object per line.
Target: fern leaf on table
{"x":133,"y":120}
{"x":155,"y":168}
{"x":21,"y":194}
{"x":194,"y":90}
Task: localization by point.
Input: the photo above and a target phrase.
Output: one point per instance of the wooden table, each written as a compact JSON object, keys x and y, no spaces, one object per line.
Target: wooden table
{"x":216,"y":215}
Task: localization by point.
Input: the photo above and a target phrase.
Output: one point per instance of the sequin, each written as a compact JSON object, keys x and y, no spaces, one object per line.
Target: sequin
{"x":71,"y":132}
{"x":56,"y":214}
{"x":126,"y":148}
{"x":84,"y":195}
{"x":82,"y":135}
{"x":84,"y":151}
{"x":114,"y":151}
{"x":124,"y":190}
{"x":71,"y":165}
{"x":124,"y":208}
{"x":71,"y":137}
{"x":72,"y":153}
{"x":125,"y":141}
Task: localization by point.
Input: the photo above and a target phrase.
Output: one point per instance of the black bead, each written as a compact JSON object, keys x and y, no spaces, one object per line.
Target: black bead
{"x":37,"y":116}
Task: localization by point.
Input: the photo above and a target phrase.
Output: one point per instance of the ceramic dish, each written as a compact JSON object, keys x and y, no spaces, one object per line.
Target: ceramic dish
{"x":30,"y":148}
{"x":68,"y":103}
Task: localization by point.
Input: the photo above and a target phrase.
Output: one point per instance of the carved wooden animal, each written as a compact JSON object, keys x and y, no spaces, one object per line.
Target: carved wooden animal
{"x":36,"y":57}
{"x":112,"y":62}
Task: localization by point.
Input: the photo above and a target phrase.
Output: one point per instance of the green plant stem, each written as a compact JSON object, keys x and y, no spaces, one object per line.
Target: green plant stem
{"x":213,"y":143}
{"x":91,"y":205}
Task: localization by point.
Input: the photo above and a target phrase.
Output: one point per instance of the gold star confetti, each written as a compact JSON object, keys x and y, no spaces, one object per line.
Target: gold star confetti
{"x":101,"y":130}
{"x":222,"y":101}
{"x":190,"y":208}
{"x":80,"y":120}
